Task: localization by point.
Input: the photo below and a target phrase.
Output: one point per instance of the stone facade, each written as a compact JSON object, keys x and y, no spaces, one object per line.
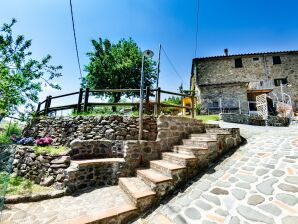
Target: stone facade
{"x":44,"y":169}
{"x":66,"y":129}
{"x":217,"y":77}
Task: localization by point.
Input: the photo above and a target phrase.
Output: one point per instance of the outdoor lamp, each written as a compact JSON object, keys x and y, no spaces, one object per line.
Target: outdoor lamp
{"x":146,"y":54}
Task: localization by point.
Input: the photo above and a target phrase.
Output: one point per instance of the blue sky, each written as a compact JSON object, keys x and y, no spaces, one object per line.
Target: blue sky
{"x":242,"y":26}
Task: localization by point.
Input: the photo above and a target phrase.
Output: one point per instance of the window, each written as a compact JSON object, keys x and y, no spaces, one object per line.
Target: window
{"x":276,"y":60}
{"x":255,"y":59}
{"x":238,"y":63}
{"x":283,"y":81}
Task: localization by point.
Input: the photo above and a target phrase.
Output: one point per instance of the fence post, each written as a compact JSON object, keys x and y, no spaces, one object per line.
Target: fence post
{"x":158,"y":101}
{"x":48,"y":105}
{"x":192,"y":106}
{"x":38,"y":108}
{"x":45,"y":106}
{"x":79,"y":107}
{"x":86,"y":100}
{"x":147,"y":105}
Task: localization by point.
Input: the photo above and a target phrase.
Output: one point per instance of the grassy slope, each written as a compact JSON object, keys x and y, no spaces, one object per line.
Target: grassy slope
{"x":206,"y":118}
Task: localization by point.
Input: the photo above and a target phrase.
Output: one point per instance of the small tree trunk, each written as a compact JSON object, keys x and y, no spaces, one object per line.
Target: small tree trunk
{"x":117,"y":97}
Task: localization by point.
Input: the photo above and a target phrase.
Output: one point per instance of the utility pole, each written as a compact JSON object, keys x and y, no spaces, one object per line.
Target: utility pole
{"x":157,"y":82}
{"x":158,"y":66}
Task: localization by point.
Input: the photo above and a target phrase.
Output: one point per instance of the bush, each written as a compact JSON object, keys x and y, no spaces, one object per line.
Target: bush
{"x":4,"y":139}
{"x":12,"y":128}
{"x":44,"y":141}
{"x":26,"y":141}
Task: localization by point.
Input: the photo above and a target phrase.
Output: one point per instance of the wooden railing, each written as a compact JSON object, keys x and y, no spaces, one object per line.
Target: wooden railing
{"x":83,"y":103}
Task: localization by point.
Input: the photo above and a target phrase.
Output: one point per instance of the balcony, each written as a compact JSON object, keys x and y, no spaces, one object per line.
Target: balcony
{"x":265,"y":85}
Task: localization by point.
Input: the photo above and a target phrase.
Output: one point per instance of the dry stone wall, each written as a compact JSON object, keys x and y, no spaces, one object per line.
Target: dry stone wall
{"x":101,"y":174}
{"x":255,"y":120}
{"x":44,"y":169}
{"x":91,"y":149}
{"x":66,"y":129}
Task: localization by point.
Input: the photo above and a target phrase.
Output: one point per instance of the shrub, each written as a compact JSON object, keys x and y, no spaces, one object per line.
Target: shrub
{"x":12,"y":128}
{"x":44,"y":141}
{"x":26,"y":141}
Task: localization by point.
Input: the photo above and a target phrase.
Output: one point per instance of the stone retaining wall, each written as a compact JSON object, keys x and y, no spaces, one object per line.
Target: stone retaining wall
{"x":255,"y":120}
{"x":91,"y":149}
{"x":65,"y":129}
{"x":44,"y":169}
{"x":100,"y":174}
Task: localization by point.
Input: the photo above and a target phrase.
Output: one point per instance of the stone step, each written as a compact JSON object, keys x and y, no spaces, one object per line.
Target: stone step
{"x":178,"y":158}
{"x":190,"y":161}
{"x":157,"y":181}
{"x":177,"y":172}
{"x":214,"y":136}
{"x":138,"y":192}
{"x":212,"y":126}
{"x":94,"y":162}
{"x":120,"y":214}
{"x":199,"y":143}
{"x":196,"y":151}
{"x":165,"y":167}
{"x":206,"y":135}
{"x":217,"y":131}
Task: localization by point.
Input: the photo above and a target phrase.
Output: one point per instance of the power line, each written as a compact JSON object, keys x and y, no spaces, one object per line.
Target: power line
{"x":197,"y":28}
{"x":172,"y":65}
{"x":75,"y":38}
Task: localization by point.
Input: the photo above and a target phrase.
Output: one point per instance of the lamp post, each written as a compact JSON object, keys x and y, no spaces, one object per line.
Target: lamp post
{"x":146,"y":54}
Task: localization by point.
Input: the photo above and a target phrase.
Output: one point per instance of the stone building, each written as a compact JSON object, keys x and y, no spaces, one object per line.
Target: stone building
{"x":232,"y":82}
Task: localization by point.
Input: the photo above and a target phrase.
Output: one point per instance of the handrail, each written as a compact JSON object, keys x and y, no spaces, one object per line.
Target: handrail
{"x":64,"y":95}
{"x":114,"y":90}
{"x":83,"y":103}
{"x":177,"y":94}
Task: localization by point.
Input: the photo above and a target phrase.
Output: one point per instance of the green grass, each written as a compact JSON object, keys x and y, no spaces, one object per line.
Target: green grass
{"x":50,"y":149}
{"x":206,"y":118}
{"x":4,"y":138}
{"x":19,"y":185}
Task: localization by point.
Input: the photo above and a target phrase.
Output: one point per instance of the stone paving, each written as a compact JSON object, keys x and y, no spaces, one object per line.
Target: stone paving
{"x":65,"y":209}
{"x":257,"y":184}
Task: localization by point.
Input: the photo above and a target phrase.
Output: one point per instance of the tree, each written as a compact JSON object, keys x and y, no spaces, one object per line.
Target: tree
{"x":117,"y":66}
{"x":21,"y":77}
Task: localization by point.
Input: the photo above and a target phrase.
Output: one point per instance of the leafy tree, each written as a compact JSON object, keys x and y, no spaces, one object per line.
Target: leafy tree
{"x":21,"y":77}
{"x":173,"y":100}
{"x":117,"y":66}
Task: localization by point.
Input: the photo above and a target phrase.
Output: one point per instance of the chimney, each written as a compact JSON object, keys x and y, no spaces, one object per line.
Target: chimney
{"x":226,"y":50}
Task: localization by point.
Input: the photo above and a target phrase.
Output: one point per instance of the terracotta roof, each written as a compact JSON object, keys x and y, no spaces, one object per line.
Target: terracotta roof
{"x":248,"y":54}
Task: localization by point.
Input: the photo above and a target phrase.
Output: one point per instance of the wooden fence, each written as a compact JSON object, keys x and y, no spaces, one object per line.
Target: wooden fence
{"x":83,"y":104}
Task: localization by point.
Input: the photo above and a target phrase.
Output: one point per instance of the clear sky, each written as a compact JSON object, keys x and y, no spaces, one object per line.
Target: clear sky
{"x":243,"y":26}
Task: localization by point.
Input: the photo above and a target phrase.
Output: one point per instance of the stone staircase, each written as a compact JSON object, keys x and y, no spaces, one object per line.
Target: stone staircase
{"x":174,"y":169}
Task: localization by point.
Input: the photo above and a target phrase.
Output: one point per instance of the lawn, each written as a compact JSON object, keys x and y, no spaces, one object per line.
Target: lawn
{"x":50,"y":149}
{"x":206,"y":118}
{"x":19,"y":185}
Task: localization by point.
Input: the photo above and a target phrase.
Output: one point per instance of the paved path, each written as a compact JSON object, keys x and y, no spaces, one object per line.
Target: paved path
{"x":65,"y":209}
{"x":257,"y":184}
